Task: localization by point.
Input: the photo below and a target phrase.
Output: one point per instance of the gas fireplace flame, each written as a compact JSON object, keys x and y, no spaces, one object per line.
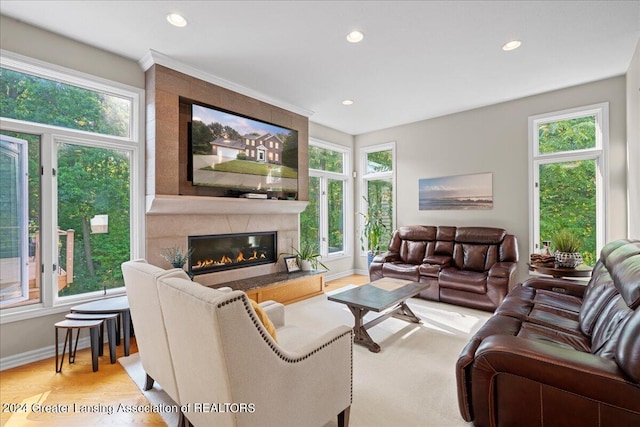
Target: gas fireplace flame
{"x":224,"y":259}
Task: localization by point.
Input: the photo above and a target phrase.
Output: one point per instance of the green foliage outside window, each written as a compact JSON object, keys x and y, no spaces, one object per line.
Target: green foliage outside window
{"x":568,"y":189}
{"x":35,"y":99}
{"x":90,"y":180}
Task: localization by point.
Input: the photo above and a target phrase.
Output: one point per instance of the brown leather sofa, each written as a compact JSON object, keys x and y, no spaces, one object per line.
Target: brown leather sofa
{"x":467,"y":266}
{"x":557,"y":352}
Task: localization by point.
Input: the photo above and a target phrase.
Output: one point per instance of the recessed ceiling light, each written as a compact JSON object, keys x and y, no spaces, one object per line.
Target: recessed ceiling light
{"x":513,"y":44}
{"x":347,"y":102}
{"x":355,"y":36}
{"x":177,"y":20}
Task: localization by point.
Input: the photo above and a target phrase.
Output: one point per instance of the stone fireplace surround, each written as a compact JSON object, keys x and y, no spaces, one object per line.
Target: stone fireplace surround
{"x":174,"y":212}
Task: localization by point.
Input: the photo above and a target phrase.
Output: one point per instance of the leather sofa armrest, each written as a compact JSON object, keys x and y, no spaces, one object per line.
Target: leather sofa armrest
{"x":503,"y":269}
{"x":581,"y":374}
{"x":561,"y":286}
{"x":387,"y":257}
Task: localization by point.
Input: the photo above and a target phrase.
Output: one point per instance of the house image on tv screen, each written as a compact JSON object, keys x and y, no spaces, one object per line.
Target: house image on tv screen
{"x":233,"y":152}
{"x":261,"y":148}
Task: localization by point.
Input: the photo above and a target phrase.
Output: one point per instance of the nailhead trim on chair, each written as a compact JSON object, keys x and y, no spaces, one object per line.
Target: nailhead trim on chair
{"x":267,"y":338}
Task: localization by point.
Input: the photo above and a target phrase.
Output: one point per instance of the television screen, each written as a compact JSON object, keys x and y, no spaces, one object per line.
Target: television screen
{"x":242,"y":155}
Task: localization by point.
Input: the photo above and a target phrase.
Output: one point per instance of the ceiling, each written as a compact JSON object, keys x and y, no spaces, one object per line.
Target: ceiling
{"x":418,"y":60}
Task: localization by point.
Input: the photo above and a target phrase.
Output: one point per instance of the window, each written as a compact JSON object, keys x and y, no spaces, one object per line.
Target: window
{"x":70,"y":149}
{"x":324,"y":221}
{"x":568,"y":176}
{"x":378,"y":187}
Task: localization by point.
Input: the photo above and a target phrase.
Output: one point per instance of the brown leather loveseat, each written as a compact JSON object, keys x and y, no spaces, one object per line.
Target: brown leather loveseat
{"x":467,"y":266}
{"x":557,"y":352}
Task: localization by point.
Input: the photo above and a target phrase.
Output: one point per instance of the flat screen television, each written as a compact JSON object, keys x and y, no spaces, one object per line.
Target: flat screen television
{"x":241,"y":156}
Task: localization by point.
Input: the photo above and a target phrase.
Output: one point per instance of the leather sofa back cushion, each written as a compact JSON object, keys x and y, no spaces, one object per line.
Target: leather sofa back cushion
{"x":599,"y":292}
{"x":608,"y":327}
{"x":443,"y":248}
{"x":412,"y":252}
{"x":417,"y":232}
{"x":478,"y":258}
{"x":628,"y":350}
{"x":486,"y":235}
{"x":626,"y":277}
{"x":446,"y":234}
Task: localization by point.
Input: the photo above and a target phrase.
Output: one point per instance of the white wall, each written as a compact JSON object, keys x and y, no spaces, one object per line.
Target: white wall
{"x":494,"y":139}
{"x":633,"y":143}
{"x":36,"y":43}
{"x":338,"y":267}
{"x":32,"y":339}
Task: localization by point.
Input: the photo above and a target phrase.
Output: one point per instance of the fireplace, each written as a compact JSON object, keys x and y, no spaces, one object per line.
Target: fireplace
{"x":220,"y":252}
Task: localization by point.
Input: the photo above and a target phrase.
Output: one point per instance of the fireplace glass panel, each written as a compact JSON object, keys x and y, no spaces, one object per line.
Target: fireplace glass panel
{"x":228,"y":251}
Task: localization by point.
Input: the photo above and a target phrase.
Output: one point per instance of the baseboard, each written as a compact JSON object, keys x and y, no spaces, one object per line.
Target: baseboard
{"x":36,"y":355}
{"x":340,"y":275}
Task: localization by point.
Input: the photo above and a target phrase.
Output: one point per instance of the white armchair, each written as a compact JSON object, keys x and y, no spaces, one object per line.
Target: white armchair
{"x":151,"y":337}
{"x":223,"y":355}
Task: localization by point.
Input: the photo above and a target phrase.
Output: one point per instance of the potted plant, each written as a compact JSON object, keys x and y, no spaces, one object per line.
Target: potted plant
{"x":176,"y":256}
{"x":567,"y":247}
{"x":372,"y":231}
{"x":308,"y":256}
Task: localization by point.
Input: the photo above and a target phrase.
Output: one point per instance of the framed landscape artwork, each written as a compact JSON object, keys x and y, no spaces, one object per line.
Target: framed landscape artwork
{"x":474,"y":191}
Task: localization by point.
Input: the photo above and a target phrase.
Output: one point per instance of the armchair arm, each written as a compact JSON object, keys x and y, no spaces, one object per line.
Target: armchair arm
{"x":580,"y":374}
{"x":275,"y":312}
{"x":562,"y":286}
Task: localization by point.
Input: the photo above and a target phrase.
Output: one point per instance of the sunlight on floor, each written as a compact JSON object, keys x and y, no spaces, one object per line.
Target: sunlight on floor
{"x":30,"y":405}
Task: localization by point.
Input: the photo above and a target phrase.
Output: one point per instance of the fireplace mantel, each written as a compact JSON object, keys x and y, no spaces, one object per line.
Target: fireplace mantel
{"x":202,"y":205}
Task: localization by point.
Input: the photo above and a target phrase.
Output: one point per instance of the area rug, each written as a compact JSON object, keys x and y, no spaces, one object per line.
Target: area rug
{"x":411,"y":382}
{"x":156,"y":396}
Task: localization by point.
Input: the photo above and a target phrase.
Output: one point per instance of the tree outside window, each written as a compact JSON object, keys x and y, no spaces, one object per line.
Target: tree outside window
{"x":378,"y":187}
{"x":568,"y":150}
{"x":322,"y":223}
{"x":85,"y":135}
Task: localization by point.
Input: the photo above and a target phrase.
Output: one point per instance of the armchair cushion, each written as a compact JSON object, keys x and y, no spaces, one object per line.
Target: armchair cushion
{"x":264,"y":319}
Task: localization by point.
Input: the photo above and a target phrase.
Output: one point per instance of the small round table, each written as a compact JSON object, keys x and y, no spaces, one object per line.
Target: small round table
{"x":118,"y":305}
{"x":559,"y":272}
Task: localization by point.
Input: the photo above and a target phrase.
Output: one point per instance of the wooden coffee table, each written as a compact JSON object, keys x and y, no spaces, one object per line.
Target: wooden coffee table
{"x":379,"y":296}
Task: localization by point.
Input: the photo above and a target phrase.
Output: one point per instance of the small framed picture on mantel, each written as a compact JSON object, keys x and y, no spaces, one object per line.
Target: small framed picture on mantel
{"x":291,"y":262}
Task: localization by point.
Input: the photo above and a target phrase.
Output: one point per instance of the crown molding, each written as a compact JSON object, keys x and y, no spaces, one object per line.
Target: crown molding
{"x":156,"y":58}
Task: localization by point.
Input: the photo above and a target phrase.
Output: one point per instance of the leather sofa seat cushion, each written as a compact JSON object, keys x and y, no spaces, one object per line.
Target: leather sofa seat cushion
{"x":556,"y":301}
{"x":555,"y":337}
{"x":398,"y":270}
{"x":443,"y":260}
{"x":555,"y":321}
{"x":463,"y":280}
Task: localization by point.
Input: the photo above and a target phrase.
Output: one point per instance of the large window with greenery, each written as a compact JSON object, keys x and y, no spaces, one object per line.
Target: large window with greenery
{"x":568,"y":177}
{"x":323,"y":224}
{"x":70,"y":152}
{"x":377,"y":205}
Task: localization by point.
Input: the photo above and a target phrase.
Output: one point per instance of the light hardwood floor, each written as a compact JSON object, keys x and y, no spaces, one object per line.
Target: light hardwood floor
{"x":37,"y":387}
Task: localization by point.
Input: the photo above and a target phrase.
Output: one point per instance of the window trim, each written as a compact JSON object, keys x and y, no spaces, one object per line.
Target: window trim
{"x":366,"y":177}
{"x":347,"y":179}
{"x":599,"y":153}
{"x":134,"y":144}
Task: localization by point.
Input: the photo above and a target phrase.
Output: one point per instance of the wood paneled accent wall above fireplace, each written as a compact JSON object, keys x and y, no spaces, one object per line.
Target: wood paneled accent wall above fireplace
{"x":175,"y":211}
